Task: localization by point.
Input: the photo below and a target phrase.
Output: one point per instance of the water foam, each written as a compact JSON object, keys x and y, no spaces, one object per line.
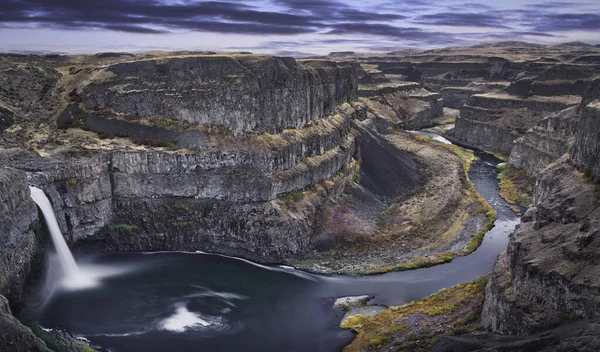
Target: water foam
{"x":183,"y":320}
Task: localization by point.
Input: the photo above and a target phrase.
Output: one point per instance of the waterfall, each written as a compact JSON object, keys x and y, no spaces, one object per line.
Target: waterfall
{"x":72,"y":278}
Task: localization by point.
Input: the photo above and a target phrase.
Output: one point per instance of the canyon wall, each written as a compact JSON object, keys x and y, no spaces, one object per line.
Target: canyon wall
{"x":18,"y":242}
{"x":503,"y":89}
{"x":241,"y":93}
{"x":260,"y":144}
{"x":550,"y":270}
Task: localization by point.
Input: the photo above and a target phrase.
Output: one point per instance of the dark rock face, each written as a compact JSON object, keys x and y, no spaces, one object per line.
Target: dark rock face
{"x":410,"y":106}
{"x":15,"y":337}
{"x":224,"y":193}
{"x":240,"y":93}
{"x":493,"y":121}
{"x":550,"y":269}
{"x":547,"y":141}
{"x":18,"y":242}
{"x":586,"y":151}
{"x":456,"y":97}
{"x":6,"y":119}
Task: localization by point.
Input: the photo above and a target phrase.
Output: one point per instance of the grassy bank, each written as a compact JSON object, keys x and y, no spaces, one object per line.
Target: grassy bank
{"x":417,"y":326}
{"x":467,"y":158}
{"x":516,"y":185}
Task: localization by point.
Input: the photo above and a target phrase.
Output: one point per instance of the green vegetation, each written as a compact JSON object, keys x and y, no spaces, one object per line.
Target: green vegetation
{"x":445,"y":122}
{"x":50,"y":339}
{"x":69,"y":181}
{"x":422,"y":262}
{"x":183,"y":224}
{"x":162,"y":121}
{"x":182,"y":207}
{"x":40,"y":235}
{"x":356,"y":176}
{"x":155,"y":143}
{"x":452,"y":311}
{"x":289,"y":199}
{"x":124,"y":227}
{"x":516,"y":185}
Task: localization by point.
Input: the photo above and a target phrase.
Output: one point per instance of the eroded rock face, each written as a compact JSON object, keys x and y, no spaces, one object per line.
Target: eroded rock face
{"x":240,"y":93}
{"x":493,"y":121}
{"x":550,"y":139}
{"x":406,"y":104}
{"x":550,"y":270}
{"x":18,"y":243}
{"x":586,"y":151}
{"x":14,"y":336}
{"x":222,"y":185}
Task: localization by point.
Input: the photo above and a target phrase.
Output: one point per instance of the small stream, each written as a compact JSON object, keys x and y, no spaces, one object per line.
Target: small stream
{"x":194,"y":301}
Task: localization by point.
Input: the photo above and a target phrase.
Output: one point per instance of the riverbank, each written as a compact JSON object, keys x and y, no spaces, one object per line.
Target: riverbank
{"x":420,"y":325}
{"x":443,"y":219}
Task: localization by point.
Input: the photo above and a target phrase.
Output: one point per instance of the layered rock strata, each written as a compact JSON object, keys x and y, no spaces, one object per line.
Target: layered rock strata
{"x":550,"y":271}
{"x":250,"y":132}
{"x":404,"y":104}
{"x":18,"y":243}
{"x":547,"y":141}
{"x":240,"y":93}
{"x":493,"y":121}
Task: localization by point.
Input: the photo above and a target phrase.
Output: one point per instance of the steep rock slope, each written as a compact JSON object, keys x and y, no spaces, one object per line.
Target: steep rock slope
{"x":241,"y":93}
{"x":18,"y":243}
{"x":547,"y":141}
{"x":550,"y":270}
{"x":493,"y":121}
{"x":403,"y":104}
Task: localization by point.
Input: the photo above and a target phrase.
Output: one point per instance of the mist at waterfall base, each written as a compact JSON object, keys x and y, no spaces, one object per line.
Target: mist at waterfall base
{"x":195,"y":301}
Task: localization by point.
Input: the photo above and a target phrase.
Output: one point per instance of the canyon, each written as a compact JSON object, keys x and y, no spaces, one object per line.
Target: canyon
{"x":307,"y":162}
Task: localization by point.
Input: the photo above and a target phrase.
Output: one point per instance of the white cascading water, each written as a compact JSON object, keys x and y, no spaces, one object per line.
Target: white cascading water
{"x":73,"y":278}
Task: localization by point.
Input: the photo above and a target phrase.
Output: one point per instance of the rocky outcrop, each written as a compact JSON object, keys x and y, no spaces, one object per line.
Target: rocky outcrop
{"x":547,"y":141}
{"x":493,"y":121}
{"x":18,"y":243}
{"x":550,"y":270}
{"x":406,"y":104}
{"x":586,"y":151}
{"x":456,"y":97}
{"x":248,"y":133}
{"x":240,"y":93}
{"x":14,"y":336}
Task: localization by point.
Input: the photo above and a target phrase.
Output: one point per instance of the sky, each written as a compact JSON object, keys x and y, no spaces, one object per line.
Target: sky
{"x":288,"y":27}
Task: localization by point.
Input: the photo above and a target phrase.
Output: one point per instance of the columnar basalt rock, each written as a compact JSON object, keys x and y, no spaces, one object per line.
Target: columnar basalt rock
{"x":410,"y":106}
{"x":493,"y":121}
{"x":586,"y":151}
{"x":547,"y":141}
{"x":18,"y":243}
{"x":240,"y":93}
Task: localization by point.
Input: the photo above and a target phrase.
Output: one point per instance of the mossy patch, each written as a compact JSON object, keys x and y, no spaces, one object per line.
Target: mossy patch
{"x":53,"y":340}
{"x":516,"y":185}
{"x":124,"y":227}
{"x":71,"y":181}
{"x":417,"y":326}
{"x":445,"y":122}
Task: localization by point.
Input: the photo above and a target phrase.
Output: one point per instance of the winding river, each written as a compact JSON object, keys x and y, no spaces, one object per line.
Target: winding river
{"x":203,"y":302}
